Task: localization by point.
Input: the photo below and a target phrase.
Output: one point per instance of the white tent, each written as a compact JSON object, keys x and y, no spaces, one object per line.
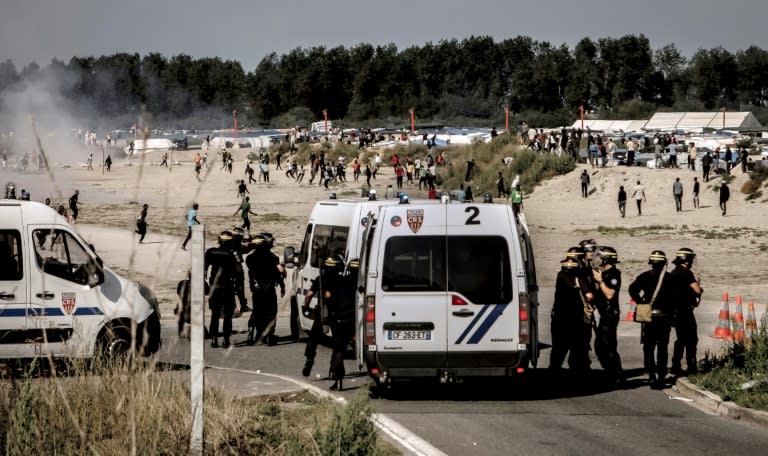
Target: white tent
{"x":610,"y":125}
{"x":696,"y":120}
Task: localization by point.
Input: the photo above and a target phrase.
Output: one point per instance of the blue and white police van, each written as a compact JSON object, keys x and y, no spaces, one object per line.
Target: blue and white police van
{"x":447,"y":290}
{"x":57,"y":298}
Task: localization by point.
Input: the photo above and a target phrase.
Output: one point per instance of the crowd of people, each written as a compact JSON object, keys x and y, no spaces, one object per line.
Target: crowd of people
{"x":588,"y":285}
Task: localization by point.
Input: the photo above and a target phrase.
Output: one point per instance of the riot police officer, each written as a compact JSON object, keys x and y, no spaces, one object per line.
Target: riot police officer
{"x":688,"y":293}
{"x":222,"y":264}
{"x":341,"y":318}
{"x":655,"y":287}
{"x":240,"y":250}
{"x":264,"y":273}
{"x":321,"y":286}
{"x":608,"y":283}
{"x":571,"y":321}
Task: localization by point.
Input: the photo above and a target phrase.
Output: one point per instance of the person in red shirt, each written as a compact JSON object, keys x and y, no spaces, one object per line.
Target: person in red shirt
{"x":399,"y":172}
{"x":395,"y":160}
{"x":432,"y":193}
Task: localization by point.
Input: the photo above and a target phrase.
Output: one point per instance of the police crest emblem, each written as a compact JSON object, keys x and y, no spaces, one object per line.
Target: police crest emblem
{"x":68,"y":301}
{"x":415,"y":219}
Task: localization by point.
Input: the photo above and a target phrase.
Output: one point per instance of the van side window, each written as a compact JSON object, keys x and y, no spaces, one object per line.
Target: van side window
{"x":304,"y":253}
{"x":11,"y":261}
{"x":479,"y":268}
{"x":414,"y":263}
{"x":328,"y":240}
{"x":59,"y":254}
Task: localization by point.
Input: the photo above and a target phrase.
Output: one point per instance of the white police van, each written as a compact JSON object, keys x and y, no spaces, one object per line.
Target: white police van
{"x":56,"y":296}
{"x":448,"y":290}
{"x":335,"y":227}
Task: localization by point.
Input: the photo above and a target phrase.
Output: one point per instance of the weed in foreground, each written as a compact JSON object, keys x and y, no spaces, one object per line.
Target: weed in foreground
{"x":740,"y":373}
{"x":121,"y":410}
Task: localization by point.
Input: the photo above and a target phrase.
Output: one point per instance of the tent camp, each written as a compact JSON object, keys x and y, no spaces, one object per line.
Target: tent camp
{"x":699,"y":120}
{"x":611,"y":125}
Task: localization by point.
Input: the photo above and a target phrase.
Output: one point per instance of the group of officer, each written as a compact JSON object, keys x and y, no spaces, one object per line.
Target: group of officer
{"x":590,"y":281}
{"x":225,"y":277}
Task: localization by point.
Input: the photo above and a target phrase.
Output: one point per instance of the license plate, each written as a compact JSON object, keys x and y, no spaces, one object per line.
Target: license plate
{"x":409,"y":335}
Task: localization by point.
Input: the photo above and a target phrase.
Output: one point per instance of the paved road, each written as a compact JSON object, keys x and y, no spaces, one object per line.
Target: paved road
{"x":534,"y":415}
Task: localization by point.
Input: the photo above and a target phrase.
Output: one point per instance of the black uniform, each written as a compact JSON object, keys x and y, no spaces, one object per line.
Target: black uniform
{"x":327,"y":280}
{"x":223,"y":272}
{"x":571,"y":332}
{"x":263,"y":276}
{"x":605,"y":334}
{"x":655,"y":335}
{"x":685,"y":322}
{"x":341,"y":318}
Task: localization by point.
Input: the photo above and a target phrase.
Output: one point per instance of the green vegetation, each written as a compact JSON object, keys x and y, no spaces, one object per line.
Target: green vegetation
{"x":115,"y":411}
{"x":752,"y":186}
{"x":740,"y":374}
{"x":466,"y":82}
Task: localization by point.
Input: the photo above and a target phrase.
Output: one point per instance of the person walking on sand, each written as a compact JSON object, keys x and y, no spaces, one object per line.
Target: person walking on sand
{"x":584,"y":177}
{"x":73,"y":201}
{"x":90,"y":162}
{"x":191,"y":221}
{"x":639,"y":197}
{"x":725,"y":194}
{"x":108,"y":163}
{"x":141,"y":223}
{"x":677,"y":192}
{"x":696,"y":192}
{"x":245,"y":210}
{"x":622,"y":201}
{"x":242,"y":190}
{"x":165,"y":160}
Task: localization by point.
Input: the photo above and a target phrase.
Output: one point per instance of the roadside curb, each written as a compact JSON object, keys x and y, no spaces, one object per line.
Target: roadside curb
{"x":715,"y":404}
{"x":406,"y":439}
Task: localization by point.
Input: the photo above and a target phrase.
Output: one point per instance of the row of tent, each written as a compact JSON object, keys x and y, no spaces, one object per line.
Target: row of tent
{"x":669,"y":121}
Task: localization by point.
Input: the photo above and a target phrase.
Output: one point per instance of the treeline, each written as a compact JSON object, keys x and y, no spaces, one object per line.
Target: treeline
{"x":469,"y":81}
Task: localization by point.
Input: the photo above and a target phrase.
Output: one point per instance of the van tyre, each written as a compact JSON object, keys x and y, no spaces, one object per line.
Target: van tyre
{"x":114,"y":344}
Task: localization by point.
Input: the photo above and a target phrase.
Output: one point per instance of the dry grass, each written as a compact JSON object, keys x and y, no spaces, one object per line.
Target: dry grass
{"x":78,"y":409}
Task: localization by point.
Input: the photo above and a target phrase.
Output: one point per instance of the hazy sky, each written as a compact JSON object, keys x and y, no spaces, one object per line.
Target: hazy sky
{"x":247,"y":30}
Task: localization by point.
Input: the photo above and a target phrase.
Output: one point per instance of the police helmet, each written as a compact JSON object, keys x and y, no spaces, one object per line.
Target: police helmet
{"x":589,"y":245}
{"x":353,"y":264}
{"x":609,"y":255}
{"x":575,"y":252}
{"x":268,"y":237}
{"x":225,"y":236}
{"x":333,"y":261}
{"x":569,"y":264}
{"x":238,"y":232}
{"x":684,"y":255}
{"x":657,"y":257}
{"x":258,"y":241}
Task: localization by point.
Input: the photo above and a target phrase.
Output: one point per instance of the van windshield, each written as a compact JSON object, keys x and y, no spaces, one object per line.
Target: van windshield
{"x":328,"y":240}
{"x":478,"y":267}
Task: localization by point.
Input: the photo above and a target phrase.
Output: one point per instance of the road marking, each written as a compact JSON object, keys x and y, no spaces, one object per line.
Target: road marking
{"x":397,"y":432}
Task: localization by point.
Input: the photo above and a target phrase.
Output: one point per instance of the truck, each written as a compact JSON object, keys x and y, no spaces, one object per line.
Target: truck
{"x":57,"y":298}
{"x":447,"y":290}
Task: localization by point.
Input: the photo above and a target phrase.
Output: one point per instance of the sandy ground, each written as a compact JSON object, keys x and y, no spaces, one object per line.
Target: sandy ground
{"x":732,"y":250}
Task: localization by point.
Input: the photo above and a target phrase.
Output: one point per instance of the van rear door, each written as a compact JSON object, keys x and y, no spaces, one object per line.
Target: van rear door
{"x":410,"y":291}
{"x":14,"y":274}
{"x":483,"y":315}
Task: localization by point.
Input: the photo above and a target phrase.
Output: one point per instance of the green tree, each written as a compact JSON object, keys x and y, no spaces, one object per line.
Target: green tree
{"x":716,"y":77}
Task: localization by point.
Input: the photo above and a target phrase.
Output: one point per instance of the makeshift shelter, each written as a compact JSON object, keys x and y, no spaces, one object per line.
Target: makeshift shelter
{"x":699,"y":120}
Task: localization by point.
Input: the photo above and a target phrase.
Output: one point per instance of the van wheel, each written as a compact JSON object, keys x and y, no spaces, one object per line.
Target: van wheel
{"x":376,"y":390}
{"x":114,"y":345}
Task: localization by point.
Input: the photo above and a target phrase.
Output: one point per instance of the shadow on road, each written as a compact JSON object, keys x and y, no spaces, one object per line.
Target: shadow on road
{"x":534,"y":385}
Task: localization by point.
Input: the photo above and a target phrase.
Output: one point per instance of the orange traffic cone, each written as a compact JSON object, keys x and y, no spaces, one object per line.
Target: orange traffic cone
{"x":632,"y":309}
{"x":751,"y":319}
{"x":723,"y":330}
{"x":738,"y":322}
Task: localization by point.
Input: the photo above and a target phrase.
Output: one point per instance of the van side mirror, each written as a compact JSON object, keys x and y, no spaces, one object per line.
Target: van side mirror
{"x":361,"y":289}
{"x":289,"y":257}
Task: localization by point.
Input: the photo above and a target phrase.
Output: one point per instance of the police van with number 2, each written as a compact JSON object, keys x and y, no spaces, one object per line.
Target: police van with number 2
{"x":447,"y":290}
